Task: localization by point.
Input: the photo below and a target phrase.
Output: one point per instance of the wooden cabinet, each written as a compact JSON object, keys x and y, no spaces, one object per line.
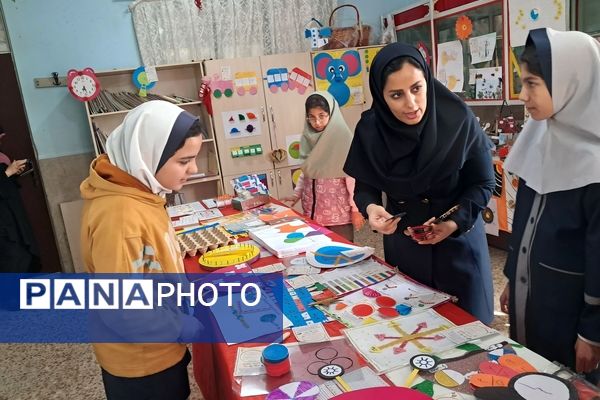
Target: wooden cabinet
{"x":178,"y":81}
{"x":264,"y":107}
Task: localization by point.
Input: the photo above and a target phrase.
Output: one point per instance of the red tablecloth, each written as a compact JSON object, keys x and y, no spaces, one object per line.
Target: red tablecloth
{"x":214,"y":362}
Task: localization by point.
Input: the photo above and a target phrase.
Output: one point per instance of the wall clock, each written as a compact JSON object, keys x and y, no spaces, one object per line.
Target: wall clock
{"x":83,"y":85}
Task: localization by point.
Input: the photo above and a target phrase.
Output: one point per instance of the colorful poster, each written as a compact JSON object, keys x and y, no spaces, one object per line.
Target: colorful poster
{"x":245,"y":82}
{"x":525,"y":15}
{"x":482,"y":48}
{"x":450,"y":65}
{"x":292,"y":143}
{"x":241,"y":123}
{"x":490,"y":217}
{"x":296,"y":172}
{"x":340,"y":73}
{"x":488,"y":83}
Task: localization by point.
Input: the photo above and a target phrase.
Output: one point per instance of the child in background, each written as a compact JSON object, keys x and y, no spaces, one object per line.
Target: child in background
{"x":325,"y":190}
{"x":125,"y":229}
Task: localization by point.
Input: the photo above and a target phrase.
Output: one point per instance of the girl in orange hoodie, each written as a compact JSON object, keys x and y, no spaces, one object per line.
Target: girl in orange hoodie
{"x":125,"y":229}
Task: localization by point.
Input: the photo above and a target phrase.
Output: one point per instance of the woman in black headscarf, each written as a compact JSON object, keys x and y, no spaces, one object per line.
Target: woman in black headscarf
{"x":423,"y":147}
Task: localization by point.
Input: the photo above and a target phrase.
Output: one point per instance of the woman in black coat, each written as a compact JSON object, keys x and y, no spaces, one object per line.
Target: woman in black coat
{"x":18,"y":249}
{"x":423,"y":147}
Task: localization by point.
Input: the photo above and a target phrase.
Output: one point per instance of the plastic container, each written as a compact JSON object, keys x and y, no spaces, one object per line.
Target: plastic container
{"x":276,"y":359}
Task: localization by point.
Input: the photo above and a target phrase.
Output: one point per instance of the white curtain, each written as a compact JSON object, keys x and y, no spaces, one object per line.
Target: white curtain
{"x":176,"y":31}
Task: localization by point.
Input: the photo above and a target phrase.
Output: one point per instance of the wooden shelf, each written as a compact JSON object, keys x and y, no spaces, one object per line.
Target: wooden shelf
{"x":126,"y":111}
{"x":207,"y":178}
{"x":179,"y":79}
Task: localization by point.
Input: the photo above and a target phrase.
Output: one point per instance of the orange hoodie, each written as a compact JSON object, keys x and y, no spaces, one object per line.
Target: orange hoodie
{"x":125,"y":229}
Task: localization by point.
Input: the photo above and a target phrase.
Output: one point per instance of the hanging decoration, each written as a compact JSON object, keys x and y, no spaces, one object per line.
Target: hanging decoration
{"x":142,"y":81}
{"x":464,"y":27}
{"x":198,"y":4}
{"x":422,"y":47}
{"x":317,"y":33}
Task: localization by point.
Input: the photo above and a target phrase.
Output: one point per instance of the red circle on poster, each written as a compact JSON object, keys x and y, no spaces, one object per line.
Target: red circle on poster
{"x":388,"y":312}
{"x":362,"y":310}
{"x":385,"y":301}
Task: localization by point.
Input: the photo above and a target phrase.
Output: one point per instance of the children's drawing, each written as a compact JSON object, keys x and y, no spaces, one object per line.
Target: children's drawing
{"x":384,"y":300}
{"x":391,"y":344}
{"x":482,"y":48}
{"x":299,"y":80}
{"x":488,"y":83}
{"x":450,"y":65}
{"x":525,"y":15}
{"x":241,"y":123}
{"x":220,"y":87}
{"x":277,"y":78}
{"x":245,"y":82}
{"x":339,"y":72}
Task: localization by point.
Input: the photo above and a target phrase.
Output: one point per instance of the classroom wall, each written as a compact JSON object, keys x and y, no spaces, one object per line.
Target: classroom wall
{"x":58,"y":35}
{"x":372,"y":10}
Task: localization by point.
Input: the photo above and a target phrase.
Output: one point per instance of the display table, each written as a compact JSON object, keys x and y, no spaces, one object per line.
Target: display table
{"x":214,"y":362}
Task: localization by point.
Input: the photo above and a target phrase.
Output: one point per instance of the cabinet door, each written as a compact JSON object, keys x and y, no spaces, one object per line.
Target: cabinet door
{"x":286,"y":85}
{"x":286,"y":179}
{"x":239,"y":115}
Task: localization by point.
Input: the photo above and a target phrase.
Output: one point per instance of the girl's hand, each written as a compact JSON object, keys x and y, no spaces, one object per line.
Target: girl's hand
{"x":379,"y":220}
{"x":587,"y":356}
{"x":357,"y":220}
{"x":439,"y":231}
{"x":292,"y":200}
{"x":16,"y":167}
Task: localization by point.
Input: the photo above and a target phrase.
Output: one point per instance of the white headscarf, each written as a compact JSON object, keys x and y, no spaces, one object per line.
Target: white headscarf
{"x":325,"y":152}
{"x":136,"y":146}
{"x":563,"y":152}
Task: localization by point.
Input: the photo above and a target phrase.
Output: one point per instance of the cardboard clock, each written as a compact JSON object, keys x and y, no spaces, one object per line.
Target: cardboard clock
{"x":83,"y":85}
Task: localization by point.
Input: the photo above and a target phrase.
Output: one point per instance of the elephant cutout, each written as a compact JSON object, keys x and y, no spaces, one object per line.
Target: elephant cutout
{"x":336,"y":71}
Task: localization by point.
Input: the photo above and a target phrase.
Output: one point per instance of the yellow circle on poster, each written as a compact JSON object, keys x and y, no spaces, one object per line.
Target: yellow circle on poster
{"x":296,"y":176}
{"x":449,"y":378}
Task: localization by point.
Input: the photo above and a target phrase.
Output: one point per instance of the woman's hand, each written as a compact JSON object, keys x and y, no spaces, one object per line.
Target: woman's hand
{"x":438,"y":232}
{"x":357,"y":220}
{"x":504,"y":299}
{"x":292,"y":200}
{"x":379,"y":220}
{"x":16,"y":167}
{"x":587,"y":356}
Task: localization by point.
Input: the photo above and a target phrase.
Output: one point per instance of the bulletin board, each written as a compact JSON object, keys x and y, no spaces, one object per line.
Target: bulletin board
{"x":468,"y":30}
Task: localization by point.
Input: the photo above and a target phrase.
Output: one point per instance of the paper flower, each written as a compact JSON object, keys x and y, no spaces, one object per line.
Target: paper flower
{"x":464,"y":27}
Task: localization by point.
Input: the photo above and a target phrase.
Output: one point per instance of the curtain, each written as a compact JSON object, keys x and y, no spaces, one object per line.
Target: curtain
{"x":176,"y":31}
